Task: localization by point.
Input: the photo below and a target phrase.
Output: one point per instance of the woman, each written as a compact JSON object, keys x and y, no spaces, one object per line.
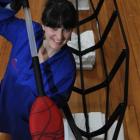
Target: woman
{"x":18,"y":90}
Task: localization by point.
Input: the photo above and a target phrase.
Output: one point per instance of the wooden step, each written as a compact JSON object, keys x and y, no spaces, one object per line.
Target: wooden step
{"x":5,"y":136}
{"x":131,"y":124}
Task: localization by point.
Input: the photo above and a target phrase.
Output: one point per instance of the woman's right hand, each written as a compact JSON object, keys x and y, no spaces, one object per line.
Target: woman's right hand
{"x":16,"y":5}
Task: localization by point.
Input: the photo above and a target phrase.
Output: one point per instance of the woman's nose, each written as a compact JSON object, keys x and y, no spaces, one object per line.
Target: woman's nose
{"x":59,"y":34}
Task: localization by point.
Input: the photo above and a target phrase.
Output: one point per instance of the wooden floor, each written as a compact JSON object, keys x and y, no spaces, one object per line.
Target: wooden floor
{"x":130,"y":15}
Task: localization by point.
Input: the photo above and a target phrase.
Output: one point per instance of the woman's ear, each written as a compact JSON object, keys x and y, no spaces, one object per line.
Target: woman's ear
{"x":44,"y":37}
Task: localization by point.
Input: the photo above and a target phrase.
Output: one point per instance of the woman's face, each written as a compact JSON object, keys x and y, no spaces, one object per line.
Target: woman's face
{"x":57,"y":37}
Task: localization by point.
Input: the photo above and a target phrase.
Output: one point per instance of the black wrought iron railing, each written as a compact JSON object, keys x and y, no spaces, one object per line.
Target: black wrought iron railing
{"x":123,"y":58}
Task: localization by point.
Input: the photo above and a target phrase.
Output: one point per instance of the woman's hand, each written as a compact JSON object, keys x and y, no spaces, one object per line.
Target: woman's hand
{"x":16,"y":5}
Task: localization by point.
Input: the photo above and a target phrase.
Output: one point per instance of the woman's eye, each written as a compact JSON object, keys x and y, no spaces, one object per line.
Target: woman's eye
{"x":54,"y":29}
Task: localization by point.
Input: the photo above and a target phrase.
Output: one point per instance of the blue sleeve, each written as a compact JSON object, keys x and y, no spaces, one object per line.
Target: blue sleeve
{"x":5,"y":1}
{"x":6,"y":18}
{"x":14,"y":29}
{"x":10,"y":26}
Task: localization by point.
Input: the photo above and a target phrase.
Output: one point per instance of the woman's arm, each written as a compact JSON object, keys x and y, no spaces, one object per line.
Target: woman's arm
{"x":14,"y":29}
{"x":9,"y":25}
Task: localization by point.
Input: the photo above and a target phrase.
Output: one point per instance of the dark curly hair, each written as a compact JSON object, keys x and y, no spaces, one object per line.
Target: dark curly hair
{"x":59,"y":13}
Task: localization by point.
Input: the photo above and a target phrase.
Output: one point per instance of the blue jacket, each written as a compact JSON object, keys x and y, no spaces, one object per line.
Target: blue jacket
{"x":18,"y":89}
